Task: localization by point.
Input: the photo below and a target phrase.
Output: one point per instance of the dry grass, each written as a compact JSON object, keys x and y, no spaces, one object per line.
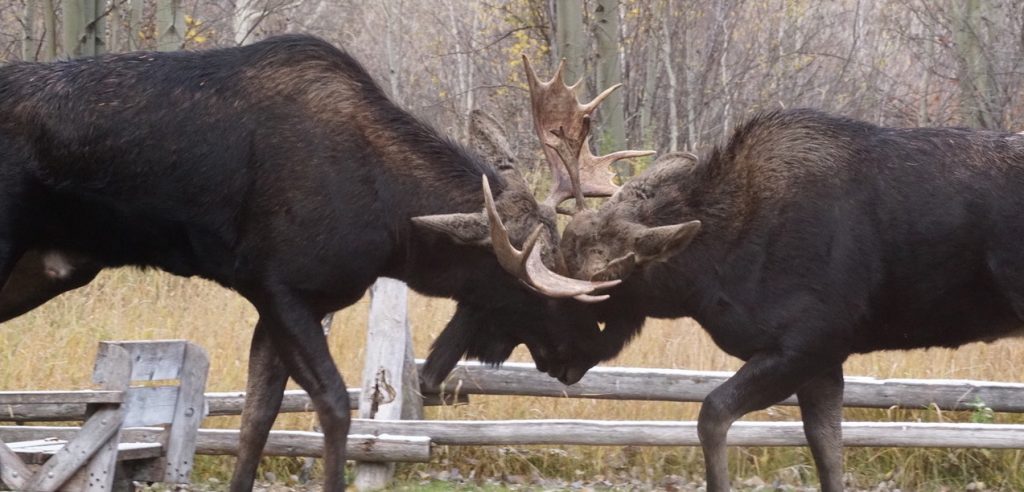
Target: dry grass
{"x":54,"y":346}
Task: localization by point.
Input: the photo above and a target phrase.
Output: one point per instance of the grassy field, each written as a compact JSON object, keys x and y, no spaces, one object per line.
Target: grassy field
{"x":54,"y":346}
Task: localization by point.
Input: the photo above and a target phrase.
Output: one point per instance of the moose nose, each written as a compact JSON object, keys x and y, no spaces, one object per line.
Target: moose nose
{"x":572,"y":375}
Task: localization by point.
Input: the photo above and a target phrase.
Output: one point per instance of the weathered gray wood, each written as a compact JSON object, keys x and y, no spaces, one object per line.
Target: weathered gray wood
{"x":189,"y":412}
{"x":113,"y":366}
{"x":38,"y":451}
{"x":620,"y":383}
{"x":152,"y":360}
{"x":150,"y":405}
{"x":58,"y":397}
{"x":13,"y":471}
{"x":387,"y":367}
{"x":280,"y":443}
{"x":668,"y":433}
{"x":112,"y":373}
{"x":384,"y":448}
{"x":219,"y":403}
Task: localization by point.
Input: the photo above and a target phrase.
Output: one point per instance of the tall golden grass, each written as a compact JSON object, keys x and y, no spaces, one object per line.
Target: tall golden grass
{"x":54,"y":346}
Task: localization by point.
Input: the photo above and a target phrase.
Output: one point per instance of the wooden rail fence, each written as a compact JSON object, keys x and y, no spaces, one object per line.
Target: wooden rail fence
{"x":390,"y":428}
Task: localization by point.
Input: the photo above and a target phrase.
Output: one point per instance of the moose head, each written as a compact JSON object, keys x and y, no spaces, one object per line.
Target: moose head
{"x":523,"y":235}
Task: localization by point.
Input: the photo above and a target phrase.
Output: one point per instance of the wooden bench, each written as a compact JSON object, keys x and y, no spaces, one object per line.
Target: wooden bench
{"x":145,"y":383}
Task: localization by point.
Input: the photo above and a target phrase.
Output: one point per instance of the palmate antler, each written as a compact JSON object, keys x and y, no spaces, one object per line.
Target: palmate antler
{"x":563,"y":126}
{"x":527,"y":266}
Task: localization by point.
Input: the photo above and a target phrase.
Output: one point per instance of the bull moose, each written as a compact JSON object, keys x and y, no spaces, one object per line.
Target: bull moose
{"x":282,"y":171}
{"x":803,"y":239}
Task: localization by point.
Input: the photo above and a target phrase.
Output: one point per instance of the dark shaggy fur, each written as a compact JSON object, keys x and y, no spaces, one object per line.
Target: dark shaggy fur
{"x":820,"y":237}
{"x":279,"y":170}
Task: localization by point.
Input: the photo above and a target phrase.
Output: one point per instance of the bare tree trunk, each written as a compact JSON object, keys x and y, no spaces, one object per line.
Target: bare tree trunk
{"x":666,"y":53}
{"x":135,"y":25}
{"x":569,"y":40}
{"x":721,"y":19}
{"x":613,"y":125}
{"x":652,"y":58}
{"x":170,"y":25}
{"x":392,"y":20}
{"x":976,"y":88}
{"x":463,"y":71}
{"x":115,"y":26}
{"x":74,"y":27}
{"x":922,"y":109}
{"x":29,"y":43}
{"x":50,"y":23}
{"x":244,"y":21}
{"x":691,"y":92}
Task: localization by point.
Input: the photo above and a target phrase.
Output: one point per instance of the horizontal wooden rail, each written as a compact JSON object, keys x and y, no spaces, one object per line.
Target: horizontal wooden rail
{"x":667,"y":433}
{"x":219,"y":404}
{"x":622,"y":383}
{"x":60,"y":397}
{"x":611,"y":383}
{"x":386,"y":448}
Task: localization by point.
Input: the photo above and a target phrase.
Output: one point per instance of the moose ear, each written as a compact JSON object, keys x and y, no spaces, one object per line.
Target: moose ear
{"x":470,"y":229}
{"x":659,"y":243}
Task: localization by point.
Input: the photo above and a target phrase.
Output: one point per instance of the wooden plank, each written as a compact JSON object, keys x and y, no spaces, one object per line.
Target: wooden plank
{"x":621,"y":383}
{"x":150,"y":405}
{"x":384,"y":448}
{"x":188,"y":413}
{"x":569,"y":432}
{"x":58,"y":397}
{"x":81,"y":448}
{"x":91,"y":447}
{"x":388,"y":371}
{"x":219,"y":404}
{"x":668,"y":433}
{"x":13,"y":471}
{"x":280,"y":443}
{"x":112,"y":371}
{"x":152,"y":360}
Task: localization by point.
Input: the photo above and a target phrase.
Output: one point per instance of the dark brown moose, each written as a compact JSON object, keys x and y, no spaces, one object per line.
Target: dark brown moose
{"x":804,"y":239}
{"x":279,"y":170}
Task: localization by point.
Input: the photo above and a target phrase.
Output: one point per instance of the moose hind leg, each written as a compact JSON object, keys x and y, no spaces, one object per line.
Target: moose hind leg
{"x":821,"y":406}
{"x":766,"y":379}
{"x":300,"y":342}
{"x":263,"y":394}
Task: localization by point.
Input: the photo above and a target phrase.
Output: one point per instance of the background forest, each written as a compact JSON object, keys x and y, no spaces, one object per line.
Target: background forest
{"x":691,"y":69}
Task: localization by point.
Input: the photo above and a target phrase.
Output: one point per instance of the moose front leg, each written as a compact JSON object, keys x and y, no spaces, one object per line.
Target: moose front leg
{"x":300,"y":343}
{"x":263,"y":394}
{"x":821,"y":407}
{"x":766,"y":379}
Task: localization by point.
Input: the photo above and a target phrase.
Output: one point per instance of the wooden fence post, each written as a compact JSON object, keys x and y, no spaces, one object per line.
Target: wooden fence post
{"x":391,"y":389}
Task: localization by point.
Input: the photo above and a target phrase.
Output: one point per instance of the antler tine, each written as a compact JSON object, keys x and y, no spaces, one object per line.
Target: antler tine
{"x":527,"y":265}
{"x":595,"y":170}
{"x":592,"y":105}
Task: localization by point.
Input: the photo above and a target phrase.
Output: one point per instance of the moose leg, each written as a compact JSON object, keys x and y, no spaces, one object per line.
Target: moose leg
{"x":39,"y":276}
{"x":263,"y":393}
{"x":766,"y":379}
{"x":302,"y":346}
{"x":821,"y":406}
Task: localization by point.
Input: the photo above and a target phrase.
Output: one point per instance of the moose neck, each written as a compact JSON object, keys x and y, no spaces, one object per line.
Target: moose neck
{"x":688,"y":283}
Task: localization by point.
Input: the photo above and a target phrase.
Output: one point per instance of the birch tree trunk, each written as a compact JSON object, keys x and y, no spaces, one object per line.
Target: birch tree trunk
{"x":170,"y":25}
{"x":50,"y":24}
{"x":29,"y":43}
{"x":244,"y":20}
{"x":135,"y":25}
{"x":670,"y":73}
{"x":613,"y":125}
{"x":569,"y":40}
